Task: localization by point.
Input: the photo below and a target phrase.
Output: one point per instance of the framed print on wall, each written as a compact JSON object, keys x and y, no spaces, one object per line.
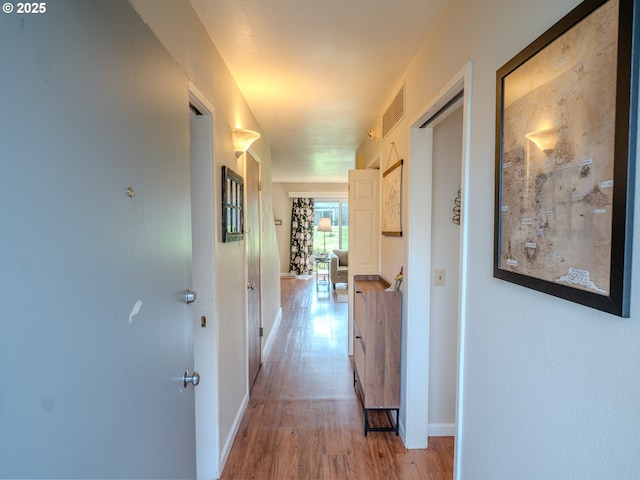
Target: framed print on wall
{"x":565,"y":150}
{"x":392,"y":197}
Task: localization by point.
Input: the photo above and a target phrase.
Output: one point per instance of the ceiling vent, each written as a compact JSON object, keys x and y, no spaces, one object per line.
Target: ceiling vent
{"x":394,"y":113}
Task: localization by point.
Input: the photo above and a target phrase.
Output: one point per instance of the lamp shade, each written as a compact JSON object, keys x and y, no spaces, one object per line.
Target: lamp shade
{"x":324,"y":225}
{"x":243,"y":138}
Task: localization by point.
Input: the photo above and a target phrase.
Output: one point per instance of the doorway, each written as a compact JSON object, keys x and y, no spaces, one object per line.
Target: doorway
{"x":252,"y":239}
{"x":421,"y":240}
{"x":445,"y":267}
{"x":205,"y":346}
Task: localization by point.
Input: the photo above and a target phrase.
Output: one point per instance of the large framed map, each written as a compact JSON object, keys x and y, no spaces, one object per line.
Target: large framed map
{"x":566,"y":124}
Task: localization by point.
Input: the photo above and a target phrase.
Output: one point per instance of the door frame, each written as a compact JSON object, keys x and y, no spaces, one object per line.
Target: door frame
{"x":250,"y":156}
{"x":205,"y":338}
{"x":418,"y":284}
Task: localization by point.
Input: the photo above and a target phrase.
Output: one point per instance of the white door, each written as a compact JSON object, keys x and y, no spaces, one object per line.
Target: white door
{"x":364,"y":230}
{"x":96,"y":250}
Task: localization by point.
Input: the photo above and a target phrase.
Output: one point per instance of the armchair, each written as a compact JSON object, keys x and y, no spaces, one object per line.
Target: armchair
{"x":339,"y":267}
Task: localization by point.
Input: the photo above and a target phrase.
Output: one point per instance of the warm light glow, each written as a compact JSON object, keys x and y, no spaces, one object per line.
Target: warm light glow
{"x":243,"y":138}
{"x":324,"y":225}
{"x":545,"y":139}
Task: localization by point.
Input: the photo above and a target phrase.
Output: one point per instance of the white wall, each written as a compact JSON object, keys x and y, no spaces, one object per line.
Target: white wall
{"x":550,"y":387}
{"x":282,"y":211}
{"x":270,"y":255}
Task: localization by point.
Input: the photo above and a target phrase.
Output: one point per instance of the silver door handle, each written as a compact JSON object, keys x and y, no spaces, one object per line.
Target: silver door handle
{"x":190,"y":296}
{"x":251,"y":286}
{"x":190,"y":379}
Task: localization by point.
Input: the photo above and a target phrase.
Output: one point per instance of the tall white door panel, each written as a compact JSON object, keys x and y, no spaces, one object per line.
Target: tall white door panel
{"x":364,"y":230}
{"x":364,"y":222}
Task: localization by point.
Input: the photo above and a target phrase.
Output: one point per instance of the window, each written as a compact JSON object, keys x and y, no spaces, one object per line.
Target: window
{"x":232,"y":206}
{"x":338,"y":212}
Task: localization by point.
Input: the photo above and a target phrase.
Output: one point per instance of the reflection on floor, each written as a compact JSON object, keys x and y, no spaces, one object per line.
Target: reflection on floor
{"x":304,"y":420}
{"x":341,"y":292}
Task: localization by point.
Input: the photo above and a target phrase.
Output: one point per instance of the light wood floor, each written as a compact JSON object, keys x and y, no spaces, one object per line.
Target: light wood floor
{"x":304,"y":420}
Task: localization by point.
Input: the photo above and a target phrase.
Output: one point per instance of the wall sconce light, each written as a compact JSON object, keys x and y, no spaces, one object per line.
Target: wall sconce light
{"x":545,"y":139}
{"x":242,"y":139}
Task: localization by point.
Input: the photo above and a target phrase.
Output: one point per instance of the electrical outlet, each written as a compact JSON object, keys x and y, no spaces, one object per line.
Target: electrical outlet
{"x":439,"y":277}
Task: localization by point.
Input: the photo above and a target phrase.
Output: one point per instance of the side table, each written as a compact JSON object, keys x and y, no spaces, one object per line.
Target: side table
{"x":322,"y":272}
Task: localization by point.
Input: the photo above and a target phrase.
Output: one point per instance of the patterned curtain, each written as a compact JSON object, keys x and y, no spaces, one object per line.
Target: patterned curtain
{"x":301,"y":236}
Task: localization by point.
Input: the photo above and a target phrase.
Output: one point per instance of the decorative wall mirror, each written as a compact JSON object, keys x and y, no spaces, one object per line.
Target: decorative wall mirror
{"x":232,"y":206}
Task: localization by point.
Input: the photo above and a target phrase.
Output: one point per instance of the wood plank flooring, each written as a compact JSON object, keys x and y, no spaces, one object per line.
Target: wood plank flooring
{"x":304,"y":420}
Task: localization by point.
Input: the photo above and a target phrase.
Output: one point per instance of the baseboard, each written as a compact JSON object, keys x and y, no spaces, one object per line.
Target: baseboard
{"x":401,"y":430}
{"x":442,"y":429}
{"x":287,"y":275}
{"x":269,"y":342}
{"x":226,"y":450}
{"x":433,"y":429}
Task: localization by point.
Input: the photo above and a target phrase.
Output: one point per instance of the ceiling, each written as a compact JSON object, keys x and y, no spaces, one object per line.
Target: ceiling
{"x":317,"y":73}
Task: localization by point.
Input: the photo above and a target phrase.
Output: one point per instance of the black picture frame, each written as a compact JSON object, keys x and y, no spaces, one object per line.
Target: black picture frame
{"x":563,"y":211}
{"x":232,"y":206}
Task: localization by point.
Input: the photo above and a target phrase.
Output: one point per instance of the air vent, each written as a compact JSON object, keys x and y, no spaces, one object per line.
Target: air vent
{"x":394,"y":113}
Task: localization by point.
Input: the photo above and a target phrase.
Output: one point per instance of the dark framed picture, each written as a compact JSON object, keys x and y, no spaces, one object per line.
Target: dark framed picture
{"x":566,"y":121}
{"x":232,"y":206}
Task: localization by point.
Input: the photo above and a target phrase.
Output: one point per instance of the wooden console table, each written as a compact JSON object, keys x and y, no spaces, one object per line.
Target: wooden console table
{"x":377,"y":325}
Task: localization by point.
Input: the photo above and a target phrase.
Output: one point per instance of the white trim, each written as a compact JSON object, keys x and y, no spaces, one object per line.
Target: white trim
{"x":401,"y":430}
{"x":418,"y":241}
{"x":442,"y":429}
{"x":417,"y":286}
{"x":206,"y":400}
{"x":255,"y":156}
{"x":226,"y":450}
{"x":464,"y":260}
{"x":329,"y":195}
{"x":269,"y":341}
{"x":200,"y":100}
{"x":247,"y":157}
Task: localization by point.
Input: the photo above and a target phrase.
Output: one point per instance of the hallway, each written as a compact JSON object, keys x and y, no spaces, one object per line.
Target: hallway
{"x":304,"y":420}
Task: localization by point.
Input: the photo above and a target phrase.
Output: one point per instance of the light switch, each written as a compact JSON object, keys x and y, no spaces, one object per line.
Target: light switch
{"x":439,"y":277}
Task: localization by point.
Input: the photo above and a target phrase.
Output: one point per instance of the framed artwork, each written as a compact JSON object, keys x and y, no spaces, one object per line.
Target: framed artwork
{"x":232,"y":206}
{"x":565,"y":150}
{"x":392,"y":197}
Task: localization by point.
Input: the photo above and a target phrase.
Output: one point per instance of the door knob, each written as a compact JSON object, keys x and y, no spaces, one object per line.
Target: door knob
{"x":190,"y":379}
{"x":190,"y":296}
{"x":251,"y":286}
